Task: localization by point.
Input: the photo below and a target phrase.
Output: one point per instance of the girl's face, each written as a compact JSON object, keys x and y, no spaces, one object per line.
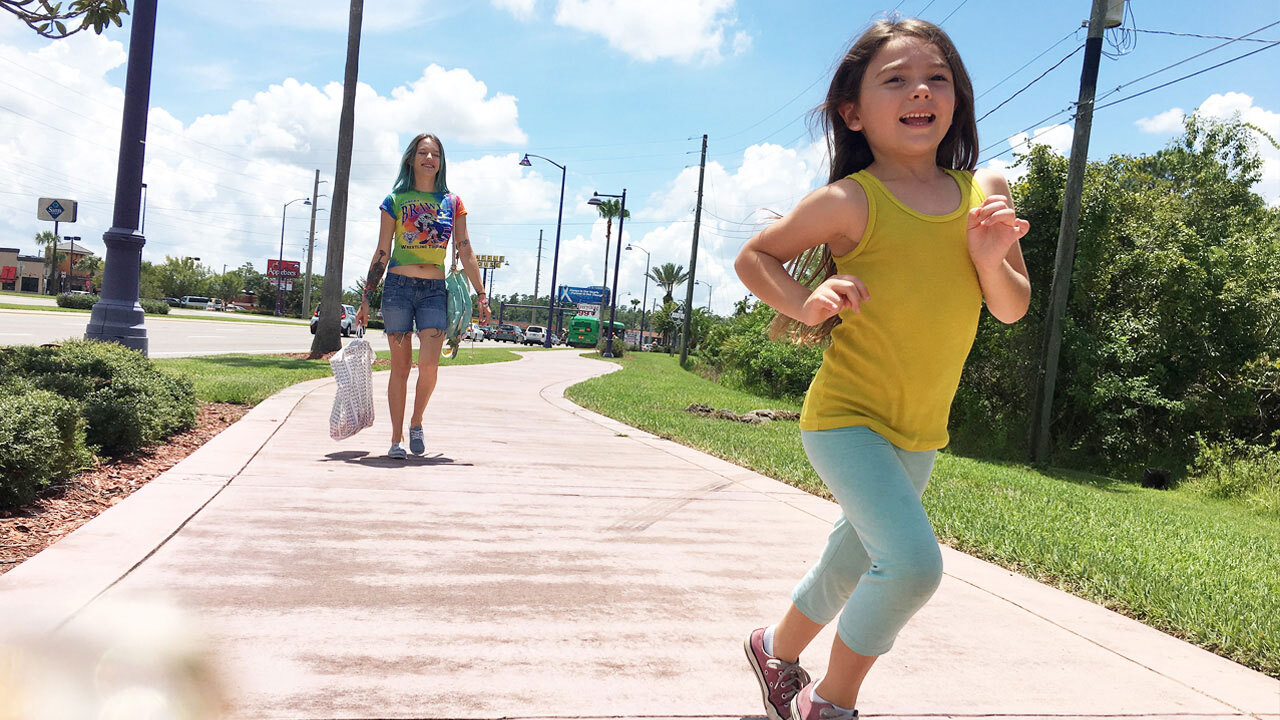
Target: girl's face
{"x":907,"y":99}
{"x":426,"y":159}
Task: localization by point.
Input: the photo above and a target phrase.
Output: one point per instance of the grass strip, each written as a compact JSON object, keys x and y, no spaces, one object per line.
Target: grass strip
{"x":1203,"y":570}
{"x":249,"y":379}
{"x":215,"y":317}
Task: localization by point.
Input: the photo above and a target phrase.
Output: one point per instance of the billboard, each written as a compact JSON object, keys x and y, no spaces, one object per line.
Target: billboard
{"x":592,"y":295}
{"x":291,"y":268}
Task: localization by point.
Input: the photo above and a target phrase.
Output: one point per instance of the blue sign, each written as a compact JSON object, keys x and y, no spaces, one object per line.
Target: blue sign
{"x":594,"y":295}
{"x":54,"y":209}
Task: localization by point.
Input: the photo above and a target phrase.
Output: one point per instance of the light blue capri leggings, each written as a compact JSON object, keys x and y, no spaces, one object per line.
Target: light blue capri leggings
{"x":882,"y":562}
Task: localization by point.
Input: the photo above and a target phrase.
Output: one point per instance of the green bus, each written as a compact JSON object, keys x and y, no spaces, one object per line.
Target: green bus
{"x":584,"y":331}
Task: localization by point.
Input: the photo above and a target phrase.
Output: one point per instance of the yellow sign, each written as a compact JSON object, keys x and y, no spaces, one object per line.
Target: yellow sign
{"x":490,"y":261}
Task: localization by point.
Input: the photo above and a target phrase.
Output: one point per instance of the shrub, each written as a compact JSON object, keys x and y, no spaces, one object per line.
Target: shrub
{"x":41,"y":440}
{"x":86,"y":302}
{"x":1232,"y":469}
{"x":619,"y":344}
{"x":744,"y":356}
{"x":126,"y":401}
{"x":154,"y":307}
{"x":79,"y":302}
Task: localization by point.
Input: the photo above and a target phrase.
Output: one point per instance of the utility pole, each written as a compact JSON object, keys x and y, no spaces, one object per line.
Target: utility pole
{"x":537,"y":274}
{"x":311,"y":245}
{"x":693,"y":262}
{"x":1042,"y":409}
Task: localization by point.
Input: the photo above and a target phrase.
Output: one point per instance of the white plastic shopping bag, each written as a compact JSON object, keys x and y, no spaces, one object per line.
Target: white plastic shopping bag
{"x":353,"y":402}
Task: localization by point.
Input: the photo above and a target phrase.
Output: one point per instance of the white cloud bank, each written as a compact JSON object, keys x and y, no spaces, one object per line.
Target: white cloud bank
{"x":681,"y":30}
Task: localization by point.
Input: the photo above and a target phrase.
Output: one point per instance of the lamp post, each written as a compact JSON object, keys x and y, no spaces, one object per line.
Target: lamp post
{"x":280,"y":262}
{"x":703,"y":282}
{"x":555,"y":260}
{"x":645,"y":300}
{"x":613,"y":294}
{"x":493,"y":275}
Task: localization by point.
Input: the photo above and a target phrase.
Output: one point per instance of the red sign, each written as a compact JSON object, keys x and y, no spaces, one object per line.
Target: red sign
{"x":8,"y":273}
{"x":291,"y":269}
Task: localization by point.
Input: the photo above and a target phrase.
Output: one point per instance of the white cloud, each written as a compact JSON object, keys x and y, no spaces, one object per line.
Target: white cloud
{"x":681,"y":30}
{"x":521,"y":9}
{"x":379,"y":15}
{"x":1057,"y":137}
{"x":216,"y":186}
{"x":1227,"y":105}
{"x":1169,"y":121}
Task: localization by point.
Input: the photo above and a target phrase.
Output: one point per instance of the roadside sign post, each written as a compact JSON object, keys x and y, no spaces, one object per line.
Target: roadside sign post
{"x":55,"y":210}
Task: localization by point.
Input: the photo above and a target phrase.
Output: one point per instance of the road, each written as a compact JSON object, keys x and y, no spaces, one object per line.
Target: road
{"x":182,"y":338}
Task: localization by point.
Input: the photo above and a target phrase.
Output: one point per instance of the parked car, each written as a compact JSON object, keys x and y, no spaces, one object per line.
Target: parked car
{"x":473,"y":332}
{"x":509,"y":333}
{"x":347,"y":322}
{"x":173,"y":302}
{"x":198,"y":302}
{"x":534,"y":334}
{"x":490,"y":332}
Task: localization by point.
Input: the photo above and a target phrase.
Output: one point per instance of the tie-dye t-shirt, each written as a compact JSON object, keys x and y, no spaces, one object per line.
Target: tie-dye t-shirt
{"x":424,"y":224}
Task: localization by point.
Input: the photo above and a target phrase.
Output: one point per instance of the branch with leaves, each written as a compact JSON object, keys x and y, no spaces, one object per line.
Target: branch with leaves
{"x":49,"y":19}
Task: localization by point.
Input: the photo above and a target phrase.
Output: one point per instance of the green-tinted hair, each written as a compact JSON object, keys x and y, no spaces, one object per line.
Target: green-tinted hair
{"x":404,"y":181}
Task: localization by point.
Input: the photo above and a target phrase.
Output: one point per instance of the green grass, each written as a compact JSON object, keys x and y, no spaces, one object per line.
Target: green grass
{"x":216,"y":317}
{"x":250,"y":379}
{"x":1204,"y":570}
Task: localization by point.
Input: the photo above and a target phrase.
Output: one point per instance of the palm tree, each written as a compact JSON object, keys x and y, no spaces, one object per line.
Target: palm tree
{"x":668,"y":276}
{"x":49,"y":240}
{"x":609,"y":209}
{"x":91,"y":265}
{"x":327,"y":328}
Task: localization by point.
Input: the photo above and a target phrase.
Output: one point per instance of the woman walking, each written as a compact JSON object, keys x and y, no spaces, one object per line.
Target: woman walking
{"x":419,"y":218}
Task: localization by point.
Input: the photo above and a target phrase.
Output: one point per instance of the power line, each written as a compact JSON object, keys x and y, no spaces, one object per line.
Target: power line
{"x":1187,"y":59}
{"x":1028,"y":63}
{"x":1033,"y":82}
{"x":1207,"y":37}
{"x":1189,"y":75}
{"x":944,"y":20}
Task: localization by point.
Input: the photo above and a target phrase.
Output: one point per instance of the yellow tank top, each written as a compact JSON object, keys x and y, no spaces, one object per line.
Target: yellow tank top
{"x":894,"y":367}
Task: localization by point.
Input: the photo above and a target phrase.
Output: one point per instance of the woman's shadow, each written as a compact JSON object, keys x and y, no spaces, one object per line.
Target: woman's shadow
{"x":362,"y":457}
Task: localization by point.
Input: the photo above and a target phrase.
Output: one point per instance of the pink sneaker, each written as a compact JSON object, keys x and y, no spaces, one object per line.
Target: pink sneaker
{"x":779,"y":680}
{"x":804,"y":708}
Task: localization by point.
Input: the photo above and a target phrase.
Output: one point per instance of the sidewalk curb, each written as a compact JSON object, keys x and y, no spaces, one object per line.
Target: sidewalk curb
{"x":60,"y":581}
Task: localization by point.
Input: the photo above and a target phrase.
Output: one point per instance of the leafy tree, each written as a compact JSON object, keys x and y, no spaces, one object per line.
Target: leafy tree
{"x":668,"y":276}
{"x":1171,"y":328}
{"x":47,"y":19}
{"x":227,"y":285}
{"x":184,"y":276}
{"x":49,"y":240}
{"x":149,"y":281}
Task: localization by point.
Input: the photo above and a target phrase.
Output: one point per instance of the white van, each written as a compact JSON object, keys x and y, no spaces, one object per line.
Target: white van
{"x":199,"y":302}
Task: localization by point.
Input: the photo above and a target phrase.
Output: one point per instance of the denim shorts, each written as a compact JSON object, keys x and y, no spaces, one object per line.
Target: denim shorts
{"x":409,"y":300}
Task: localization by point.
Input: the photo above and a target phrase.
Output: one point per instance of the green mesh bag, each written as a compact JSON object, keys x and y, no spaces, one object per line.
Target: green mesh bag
{"x":458,"y":308}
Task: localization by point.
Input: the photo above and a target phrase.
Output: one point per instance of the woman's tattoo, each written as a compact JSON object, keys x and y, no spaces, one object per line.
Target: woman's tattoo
{"x":376,"y":270}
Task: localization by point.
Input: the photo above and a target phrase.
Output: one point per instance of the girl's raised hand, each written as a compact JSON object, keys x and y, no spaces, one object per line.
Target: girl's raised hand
{"x":838,"y":292}
{"x":993,"y":228}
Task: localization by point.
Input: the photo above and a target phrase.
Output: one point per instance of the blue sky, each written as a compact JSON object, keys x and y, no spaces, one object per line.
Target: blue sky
{"x":245,"y":99}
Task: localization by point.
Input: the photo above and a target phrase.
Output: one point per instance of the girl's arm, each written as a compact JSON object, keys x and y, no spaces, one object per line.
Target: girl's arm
{"x":462,"y":242}
{"x":378,"y":267}
{"x":834,"y":214}
{"x":994,"y":231}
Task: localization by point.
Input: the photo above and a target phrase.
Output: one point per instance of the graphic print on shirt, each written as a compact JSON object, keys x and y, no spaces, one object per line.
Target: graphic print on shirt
{"x":425,"y":225}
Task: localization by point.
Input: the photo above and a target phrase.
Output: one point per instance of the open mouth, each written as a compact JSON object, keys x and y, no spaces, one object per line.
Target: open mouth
{"x":920,"y":119}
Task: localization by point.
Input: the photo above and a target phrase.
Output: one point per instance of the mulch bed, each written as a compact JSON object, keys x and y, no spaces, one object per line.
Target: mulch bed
{"x":63,"y":508}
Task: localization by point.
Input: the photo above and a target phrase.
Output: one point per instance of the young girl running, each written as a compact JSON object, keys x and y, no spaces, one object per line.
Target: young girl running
{"x":910,"y":242}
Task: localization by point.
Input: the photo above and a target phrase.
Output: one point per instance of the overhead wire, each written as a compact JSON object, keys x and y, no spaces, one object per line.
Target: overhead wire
{"x":1033,"y":82}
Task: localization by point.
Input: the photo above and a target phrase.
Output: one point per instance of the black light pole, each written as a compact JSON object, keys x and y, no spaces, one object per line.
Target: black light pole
{"x":117,"y":316}
{"x":555,"y":261}
{"x":280,"y":262}
{"x":645,"y":300}
{"x":613,"y":294}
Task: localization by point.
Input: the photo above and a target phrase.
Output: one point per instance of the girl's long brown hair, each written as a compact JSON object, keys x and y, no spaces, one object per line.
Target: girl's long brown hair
{"x":849,"y":151}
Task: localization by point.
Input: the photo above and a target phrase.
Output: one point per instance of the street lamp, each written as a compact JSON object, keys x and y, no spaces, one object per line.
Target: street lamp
{"x":493,"y":274}
{"x":645,"y":300}
{"x":555,"y":261}
{"x":703,"y":282}
{"x":280,"y":263}
{"x":613,"y":295}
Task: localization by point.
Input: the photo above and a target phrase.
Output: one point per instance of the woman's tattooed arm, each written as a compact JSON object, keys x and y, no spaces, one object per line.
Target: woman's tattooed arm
{"x":376,"y":270}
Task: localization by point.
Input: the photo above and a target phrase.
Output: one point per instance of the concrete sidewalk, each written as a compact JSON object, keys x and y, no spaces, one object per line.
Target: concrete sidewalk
{"x":542,"y":561}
